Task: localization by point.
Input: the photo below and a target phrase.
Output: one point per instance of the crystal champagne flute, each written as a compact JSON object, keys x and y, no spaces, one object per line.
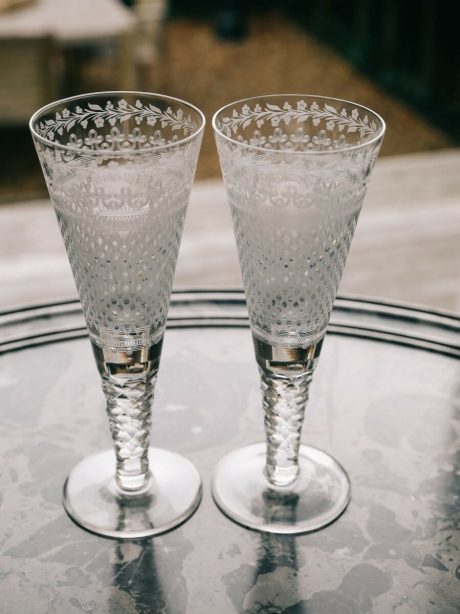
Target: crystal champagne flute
{"x":119,"y":168}
{"x":295,"y":170}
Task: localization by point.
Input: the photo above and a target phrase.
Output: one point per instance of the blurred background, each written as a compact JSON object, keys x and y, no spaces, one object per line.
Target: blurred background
{"x":398,"y":57}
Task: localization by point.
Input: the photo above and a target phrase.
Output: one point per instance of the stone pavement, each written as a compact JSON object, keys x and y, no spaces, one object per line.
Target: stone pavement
{"x":406,"y":247}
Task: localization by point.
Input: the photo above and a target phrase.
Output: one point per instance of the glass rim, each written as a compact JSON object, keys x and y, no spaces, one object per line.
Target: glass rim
{"x":288,"y":152}
{"x":120,"y":93}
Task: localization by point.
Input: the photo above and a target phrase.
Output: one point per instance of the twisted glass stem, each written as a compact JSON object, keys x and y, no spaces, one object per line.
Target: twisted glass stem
{"x":284,"y":401}
{"x":128,"y":381}
{"x":286,"y":373}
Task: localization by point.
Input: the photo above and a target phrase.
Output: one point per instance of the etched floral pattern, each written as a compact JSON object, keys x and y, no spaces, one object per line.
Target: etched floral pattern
{"x":120,"y":194}
{"x":294,"y":215}
{"x":93,"y":115}
{"x":323,"y":118}
{"x":295,"y":195}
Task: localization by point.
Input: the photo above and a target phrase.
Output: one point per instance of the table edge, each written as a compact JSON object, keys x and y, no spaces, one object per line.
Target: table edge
{"x":359,"y":317}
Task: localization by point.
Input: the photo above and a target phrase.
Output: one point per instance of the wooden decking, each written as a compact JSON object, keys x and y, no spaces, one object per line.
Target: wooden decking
{"x":406,"y":247}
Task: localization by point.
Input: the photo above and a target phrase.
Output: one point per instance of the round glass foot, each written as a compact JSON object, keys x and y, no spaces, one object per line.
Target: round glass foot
{"x":319,"y":496}
{"x":91,"y":497}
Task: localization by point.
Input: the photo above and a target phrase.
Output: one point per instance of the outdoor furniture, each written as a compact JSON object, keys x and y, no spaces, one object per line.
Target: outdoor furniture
{"x":30,"y":71}
{"x":28,"y":77}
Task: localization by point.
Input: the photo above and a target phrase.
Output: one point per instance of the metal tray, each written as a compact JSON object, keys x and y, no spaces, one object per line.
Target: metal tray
{"x":385,"y":401}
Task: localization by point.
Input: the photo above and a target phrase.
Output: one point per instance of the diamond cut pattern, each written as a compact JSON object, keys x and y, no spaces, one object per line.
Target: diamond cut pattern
{"x":284,"y":401}
{"x":294,"y":209}
{"x":120,"y":197}
{"x":291,"y":271}
{"x":124,"y":276}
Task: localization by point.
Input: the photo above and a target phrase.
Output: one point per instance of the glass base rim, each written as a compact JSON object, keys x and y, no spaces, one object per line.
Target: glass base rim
{"x":247,"y":466}
{"x":93,"y":504}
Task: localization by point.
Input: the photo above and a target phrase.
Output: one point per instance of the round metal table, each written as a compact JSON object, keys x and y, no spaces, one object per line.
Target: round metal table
{"x":384,"y":401}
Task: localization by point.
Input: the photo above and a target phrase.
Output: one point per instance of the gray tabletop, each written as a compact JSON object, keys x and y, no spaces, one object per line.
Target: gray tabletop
{"x":384,"y":401}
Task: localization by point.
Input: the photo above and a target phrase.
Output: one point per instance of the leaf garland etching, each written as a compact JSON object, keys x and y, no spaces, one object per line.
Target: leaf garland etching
{"x":342,"y":120}
{"x":94,"y":113}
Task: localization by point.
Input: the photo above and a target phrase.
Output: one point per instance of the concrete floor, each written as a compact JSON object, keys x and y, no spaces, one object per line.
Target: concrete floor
{"x":406,"y":246}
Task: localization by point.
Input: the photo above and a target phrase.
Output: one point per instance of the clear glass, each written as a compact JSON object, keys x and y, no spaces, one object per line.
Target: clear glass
{"x":119,"y":168}
{"x":296,"y":170}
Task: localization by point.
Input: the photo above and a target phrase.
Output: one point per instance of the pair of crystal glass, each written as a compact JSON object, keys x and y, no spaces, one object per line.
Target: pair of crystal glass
{"x":119,"y":167}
